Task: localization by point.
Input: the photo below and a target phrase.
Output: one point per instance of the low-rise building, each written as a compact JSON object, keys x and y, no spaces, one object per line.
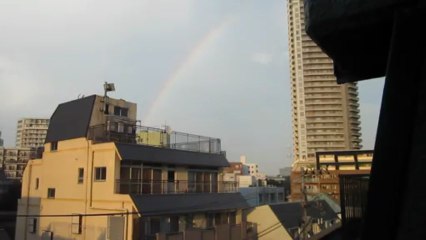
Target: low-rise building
{"x":95,"y":182}
{"x":260,"y":195}
{"x":297,"y":220}
{"x":14,"y":160}
{"x":324,"y":177}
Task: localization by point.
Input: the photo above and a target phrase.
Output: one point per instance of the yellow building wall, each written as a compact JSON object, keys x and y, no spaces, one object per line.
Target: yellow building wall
{"x":59,"y":169}
{"x":153,"y":138}
{"x":268,"y":225}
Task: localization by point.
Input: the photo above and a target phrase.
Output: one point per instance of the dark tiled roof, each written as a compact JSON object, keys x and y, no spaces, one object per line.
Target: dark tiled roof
{"x":71,"y":119}
{"x":290,"y":214}
{"x":150,"y":154}
{"x":167,"y":204}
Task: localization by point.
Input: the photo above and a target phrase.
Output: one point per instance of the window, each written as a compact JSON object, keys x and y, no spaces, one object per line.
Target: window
{"x":80,"y":175}
{"x":37,"y":183}
{"x":119,"y":111}
{"x":51,"y":193}
{"x":100,"y":173}
{"x":54,"y":146}
{"x":32,"y":225}
{"x":76,"y":223}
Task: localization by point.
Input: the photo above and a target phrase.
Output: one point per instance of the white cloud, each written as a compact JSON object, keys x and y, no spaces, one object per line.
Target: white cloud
{"x":262,"y":58}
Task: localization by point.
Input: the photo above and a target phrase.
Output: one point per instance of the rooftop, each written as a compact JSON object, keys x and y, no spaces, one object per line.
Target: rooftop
{"x":103,"y":119}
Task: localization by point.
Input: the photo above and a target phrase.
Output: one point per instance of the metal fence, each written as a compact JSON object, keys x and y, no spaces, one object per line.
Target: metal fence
{"x":353,"y":202}
{"x":128,"y":132}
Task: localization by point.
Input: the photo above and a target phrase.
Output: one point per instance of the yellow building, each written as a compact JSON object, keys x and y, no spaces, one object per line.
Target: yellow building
{"x":94,"y":182}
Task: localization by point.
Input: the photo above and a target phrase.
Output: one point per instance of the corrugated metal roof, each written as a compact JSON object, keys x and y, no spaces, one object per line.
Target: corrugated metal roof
{"x":168,"y":204}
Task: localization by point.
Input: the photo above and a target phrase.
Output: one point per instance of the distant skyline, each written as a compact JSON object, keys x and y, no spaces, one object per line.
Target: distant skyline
{"x":214,"y":68}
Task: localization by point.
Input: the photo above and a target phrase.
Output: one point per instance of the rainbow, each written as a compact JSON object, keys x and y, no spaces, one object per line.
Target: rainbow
{"x":189,"y":60}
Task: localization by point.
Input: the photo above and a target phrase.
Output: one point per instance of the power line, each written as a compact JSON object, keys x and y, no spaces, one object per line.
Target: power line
{"x":68,"y":215}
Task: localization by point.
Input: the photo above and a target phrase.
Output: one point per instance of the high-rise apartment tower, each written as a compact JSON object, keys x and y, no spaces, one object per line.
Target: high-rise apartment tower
{"x":325,"y":115}
{"x":31,"y":132}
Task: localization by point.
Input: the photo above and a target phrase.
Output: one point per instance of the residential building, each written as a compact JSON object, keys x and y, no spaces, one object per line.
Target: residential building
{"x":289,"y":221}
{"x":325,"y":115}
{"x":105,"y":185}
{"x":1,"y":141}
{"x":14,"y":160}
{"x":261,"y":195}
{"x":252,"y":169}
{"x":324,"y":179}
{"x":31,"y":132}
{"x":234,"y":168}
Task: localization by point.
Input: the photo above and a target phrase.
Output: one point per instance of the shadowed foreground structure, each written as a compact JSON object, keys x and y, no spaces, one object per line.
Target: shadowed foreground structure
{"x":368,"y":39}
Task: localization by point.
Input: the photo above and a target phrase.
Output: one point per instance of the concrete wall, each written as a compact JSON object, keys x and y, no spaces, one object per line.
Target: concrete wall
{"x":59,"y":170}
{"x":98,"y":116}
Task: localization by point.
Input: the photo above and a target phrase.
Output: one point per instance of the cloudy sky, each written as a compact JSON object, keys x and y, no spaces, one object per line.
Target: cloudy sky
{"x":215,"y":68}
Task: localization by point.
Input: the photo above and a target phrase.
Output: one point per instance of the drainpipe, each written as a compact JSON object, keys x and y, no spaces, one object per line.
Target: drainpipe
{"x":86,"y":185}
{"x":91,"y":180}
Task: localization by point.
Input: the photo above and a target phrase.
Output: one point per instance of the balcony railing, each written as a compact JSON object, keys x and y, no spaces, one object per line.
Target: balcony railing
{"x":138,"y":186}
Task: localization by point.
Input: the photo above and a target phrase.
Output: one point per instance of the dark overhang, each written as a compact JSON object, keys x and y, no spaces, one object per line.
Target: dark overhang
{"x":157,"y":155}
{"x":171,"y":204}
{"x":356,"y":34}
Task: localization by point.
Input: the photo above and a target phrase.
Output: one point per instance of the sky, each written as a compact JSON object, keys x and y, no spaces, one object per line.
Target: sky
{"x":214,"y":68}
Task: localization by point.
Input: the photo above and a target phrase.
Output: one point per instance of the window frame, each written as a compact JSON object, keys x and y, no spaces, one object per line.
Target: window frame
{"x":80,"y":175}
{"x":99,"y":175}
{"x":54,"y":146}
{"x":51,"y":193}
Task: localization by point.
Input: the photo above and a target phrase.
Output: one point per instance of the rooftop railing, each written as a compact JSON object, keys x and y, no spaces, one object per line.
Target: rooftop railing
{"x":130,"y":132}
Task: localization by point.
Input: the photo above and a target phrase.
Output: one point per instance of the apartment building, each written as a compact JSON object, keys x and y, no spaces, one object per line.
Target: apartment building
{"x":14,"y":160}
{"x":324,"y":178}
{"x":102,"y":184}
{"x":31,"y":132}
{"x":325,"y":115}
